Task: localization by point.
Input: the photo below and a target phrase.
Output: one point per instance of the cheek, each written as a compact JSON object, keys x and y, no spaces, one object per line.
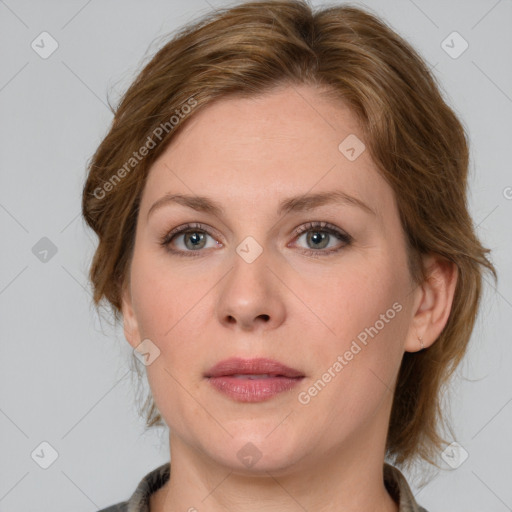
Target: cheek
{"x":354,"y":371}
{"x":365,"y":311}
{"x":350,"y":298}
{"x":166,"y":305}
{"x":162,"y":297}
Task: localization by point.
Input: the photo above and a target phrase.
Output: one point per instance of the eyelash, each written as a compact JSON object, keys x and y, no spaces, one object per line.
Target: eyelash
{"x":323,"y":227}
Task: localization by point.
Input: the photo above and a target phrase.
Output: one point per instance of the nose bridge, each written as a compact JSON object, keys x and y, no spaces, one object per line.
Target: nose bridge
{"x":251,"y":264}
{"x":250,"y":293}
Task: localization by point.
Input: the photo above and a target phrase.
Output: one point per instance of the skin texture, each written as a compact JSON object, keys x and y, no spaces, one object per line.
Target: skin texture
{"x":302,"y":310}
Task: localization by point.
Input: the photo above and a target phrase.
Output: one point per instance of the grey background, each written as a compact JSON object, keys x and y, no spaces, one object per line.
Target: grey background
{"x":64,"y":372}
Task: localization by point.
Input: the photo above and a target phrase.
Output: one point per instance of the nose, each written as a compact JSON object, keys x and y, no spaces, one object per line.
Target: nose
{"x":250,"y":298}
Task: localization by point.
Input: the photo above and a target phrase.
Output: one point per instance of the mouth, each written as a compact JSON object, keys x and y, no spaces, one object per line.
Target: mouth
{"x":255,"y":376}
{"x":252,"y":380}
{"x":260,"y":368}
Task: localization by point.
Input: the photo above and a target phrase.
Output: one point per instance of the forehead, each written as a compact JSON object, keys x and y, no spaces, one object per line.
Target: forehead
{"x":254,"y":151}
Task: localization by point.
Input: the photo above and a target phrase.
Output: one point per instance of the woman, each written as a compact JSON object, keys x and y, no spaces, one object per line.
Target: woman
{"x":281,"y":211}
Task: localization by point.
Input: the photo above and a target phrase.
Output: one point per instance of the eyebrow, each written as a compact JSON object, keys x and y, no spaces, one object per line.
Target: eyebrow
{"x":292,"y":204}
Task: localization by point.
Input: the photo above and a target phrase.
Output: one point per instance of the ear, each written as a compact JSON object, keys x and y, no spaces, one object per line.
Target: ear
{"x":433,"y":303}
{"x":130,"y":324}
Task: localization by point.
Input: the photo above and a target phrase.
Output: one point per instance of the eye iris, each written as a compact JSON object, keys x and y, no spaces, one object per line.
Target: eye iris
{"x":195,"y":237}
{"x":317,"y":237}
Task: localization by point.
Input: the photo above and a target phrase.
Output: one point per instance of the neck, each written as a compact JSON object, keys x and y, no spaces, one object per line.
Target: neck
{"x":349,"y":477}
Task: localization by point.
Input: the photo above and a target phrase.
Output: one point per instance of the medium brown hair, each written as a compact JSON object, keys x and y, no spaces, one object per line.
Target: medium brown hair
{"x":413,"y":136}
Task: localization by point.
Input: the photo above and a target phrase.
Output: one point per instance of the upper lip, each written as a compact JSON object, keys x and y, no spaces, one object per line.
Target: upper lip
{"x":258,"y":366}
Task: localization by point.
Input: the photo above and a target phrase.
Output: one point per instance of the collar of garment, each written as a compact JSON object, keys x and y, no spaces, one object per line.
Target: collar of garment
{"x":394,"y":480}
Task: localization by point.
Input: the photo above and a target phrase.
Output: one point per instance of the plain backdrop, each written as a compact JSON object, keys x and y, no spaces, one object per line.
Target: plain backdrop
{"x":65,"y":378}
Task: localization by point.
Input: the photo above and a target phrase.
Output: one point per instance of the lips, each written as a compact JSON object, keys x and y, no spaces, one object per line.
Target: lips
{"x":259,"y":368}
{"x":252,"y":380}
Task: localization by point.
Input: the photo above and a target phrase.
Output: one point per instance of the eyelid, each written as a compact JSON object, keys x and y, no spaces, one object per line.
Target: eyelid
{"x":320,"y":225}
{"x":189,"y":226}
{"x":340,"y":234}
{"x":326,"y":227}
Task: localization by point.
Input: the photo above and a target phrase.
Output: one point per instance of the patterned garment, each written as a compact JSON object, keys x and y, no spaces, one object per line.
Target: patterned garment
{"x":394,"y":480}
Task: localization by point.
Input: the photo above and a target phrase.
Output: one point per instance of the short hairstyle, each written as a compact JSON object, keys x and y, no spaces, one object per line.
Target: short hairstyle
{"x":416,"y":140}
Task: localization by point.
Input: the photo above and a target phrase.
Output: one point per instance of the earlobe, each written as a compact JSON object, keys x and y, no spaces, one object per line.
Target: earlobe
{"x":130,"y":326}
{"x":434,"y":305}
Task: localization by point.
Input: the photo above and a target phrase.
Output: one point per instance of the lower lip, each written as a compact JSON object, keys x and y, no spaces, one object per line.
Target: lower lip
{"x":253,"y":390}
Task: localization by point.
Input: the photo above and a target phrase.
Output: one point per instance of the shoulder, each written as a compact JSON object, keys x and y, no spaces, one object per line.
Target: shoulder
{"x":400,"y":490}
{"x":148,"y":485}
{"x":118,"y":507}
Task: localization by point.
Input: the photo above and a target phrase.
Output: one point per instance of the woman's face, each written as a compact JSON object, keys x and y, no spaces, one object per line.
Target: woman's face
{"x":243,"y":283}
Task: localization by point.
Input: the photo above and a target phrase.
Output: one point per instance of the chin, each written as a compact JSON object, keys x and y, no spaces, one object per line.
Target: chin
{"x":259,"y":455}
